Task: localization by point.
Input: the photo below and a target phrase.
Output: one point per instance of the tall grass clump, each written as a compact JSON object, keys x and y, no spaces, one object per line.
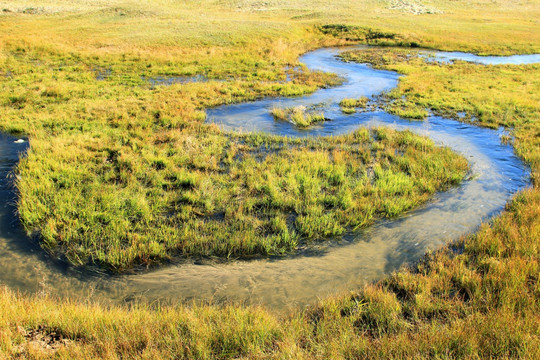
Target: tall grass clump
{"x":349,"y":106}
{"x":299,"y":116}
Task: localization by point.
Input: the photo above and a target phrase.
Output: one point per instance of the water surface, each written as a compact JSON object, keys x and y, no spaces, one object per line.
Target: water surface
{"x":448,"y":57}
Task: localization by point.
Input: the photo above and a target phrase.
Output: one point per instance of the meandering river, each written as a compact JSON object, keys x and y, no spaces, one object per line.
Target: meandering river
{"x":298,"y":280}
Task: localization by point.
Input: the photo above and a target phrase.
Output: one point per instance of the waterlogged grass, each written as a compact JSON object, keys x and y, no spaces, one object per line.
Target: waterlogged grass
{"x":300,"y":116}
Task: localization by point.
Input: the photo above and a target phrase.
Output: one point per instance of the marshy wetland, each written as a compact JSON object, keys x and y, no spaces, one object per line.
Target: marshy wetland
{"x":348,"y":257}
{"x":184,"y":186}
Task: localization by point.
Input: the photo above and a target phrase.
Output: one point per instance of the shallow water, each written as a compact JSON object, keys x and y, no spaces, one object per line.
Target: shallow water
{"x":447,"y":57}
{"x":282,"y":283}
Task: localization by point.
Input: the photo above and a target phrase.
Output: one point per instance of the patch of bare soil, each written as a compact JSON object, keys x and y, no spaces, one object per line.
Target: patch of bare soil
{"x":41,"y":339}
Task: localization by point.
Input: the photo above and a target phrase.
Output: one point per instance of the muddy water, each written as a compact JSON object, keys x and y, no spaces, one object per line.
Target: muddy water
{"x":282,"y":283}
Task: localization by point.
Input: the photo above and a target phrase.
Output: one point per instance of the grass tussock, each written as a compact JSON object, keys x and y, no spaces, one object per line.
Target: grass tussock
{"x":350,"y":106}
{"x":299,"y":116}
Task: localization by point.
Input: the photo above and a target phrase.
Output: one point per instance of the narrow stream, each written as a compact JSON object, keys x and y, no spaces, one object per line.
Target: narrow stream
{"x":283,"y":283}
